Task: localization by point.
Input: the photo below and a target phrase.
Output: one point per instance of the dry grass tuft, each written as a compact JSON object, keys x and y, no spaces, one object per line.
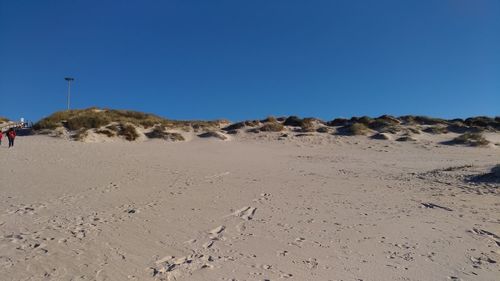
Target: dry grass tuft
{"x":234,"y":126}
{"x":107,"y":132}
{"x":323,"y":130}
{"x":272,"y":127}
{"x":357,"y":129}
{"x":405,"y":138}
{"x":213,"y":134}
{"x":436,"y":130}
{"x":128,"y":131}
{"x":158,"y":132}
{"x":270,"y":119}
{"x":472,"y":139}
{"x":338,"y":122}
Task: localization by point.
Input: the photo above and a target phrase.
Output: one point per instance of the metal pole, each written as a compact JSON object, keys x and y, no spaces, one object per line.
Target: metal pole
{"x":69,"y":92}
{"x":69,"y":79}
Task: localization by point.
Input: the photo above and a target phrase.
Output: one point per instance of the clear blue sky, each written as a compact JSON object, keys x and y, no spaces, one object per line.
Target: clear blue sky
{"x":250,"y":59}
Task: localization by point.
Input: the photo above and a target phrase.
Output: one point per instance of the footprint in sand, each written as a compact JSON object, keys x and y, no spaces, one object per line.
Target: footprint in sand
{"x":245,"y":213}
{"x":217,"y":230}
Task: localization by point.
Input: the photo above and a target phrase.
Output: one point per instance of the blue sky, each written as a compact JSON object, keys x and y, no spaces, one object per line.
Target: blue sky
{"x":250,"y":59}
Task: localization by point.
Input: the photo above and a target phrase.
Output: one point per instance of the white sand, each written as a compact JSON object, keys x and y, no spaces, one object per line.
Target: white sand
{"x":254,"y":208}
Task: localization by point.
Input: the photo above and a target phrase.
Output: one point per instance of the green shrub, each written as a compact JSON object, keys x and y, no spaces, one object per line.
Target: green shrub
{"x":405,"y":138}
{"x":293,"y":121}
{"x":472,"y":139}
{"x":128,"y":131}
{"x":270,"y":119}
{"x":272,"y":127}
{"x":307,"y":125}
{"x":422,"y":120}
{"x":357,"y":129}
{"x":363,"y":120}
{"x":252,"y":123}
{"x":80,"y":134}
{"x":323,"y":130}
{"x":105,"y":132}
{"x":338,"y":122}
{"x":159,"y":133}
{"x":213,"y":134}
{"x":87,"y":122}
{"x":234,"y":126}
{"x":412,"y":130}
{"x":436,"y":130}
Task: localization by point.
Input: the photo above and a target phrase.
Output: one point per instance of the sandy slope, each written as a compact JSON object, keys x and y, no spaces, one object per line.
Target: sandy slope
{"x":255,"y":208}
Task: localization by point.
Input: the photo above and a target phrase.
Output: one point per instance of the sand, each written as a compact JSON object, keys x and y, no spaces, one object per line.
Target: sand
{"x":256,"y":207}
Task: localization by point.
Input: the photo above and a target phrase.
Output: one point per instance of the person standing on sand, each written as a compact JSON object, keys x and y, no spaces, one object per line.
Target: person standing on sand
{"x":11,"y":135}
{"x":1,"y":136}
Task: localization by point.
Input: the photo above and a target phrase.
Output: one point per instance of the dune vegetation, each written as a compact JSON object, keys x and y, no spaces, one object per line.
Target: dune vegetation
{"x":93,"y":118}
{"x":472,"y":139}
{"x":132,"y":125}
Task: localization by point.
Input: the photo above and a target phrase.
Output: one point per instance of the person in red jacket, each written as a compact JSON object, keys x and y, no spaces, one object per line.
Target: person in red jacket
{"x":11,"y":135}
{"x":1,"y":136}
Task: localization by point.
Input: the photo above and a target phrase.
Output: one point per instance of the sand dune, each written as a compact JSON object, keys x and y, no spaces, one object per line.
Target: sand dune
{"x":258,"y":207}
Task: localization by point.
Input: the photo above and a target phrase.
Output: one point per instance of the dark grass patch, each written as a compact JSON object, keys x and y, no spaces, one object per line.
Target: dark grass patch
{"x":405,"y":138}
{"x":80,"y":134}
{"x":338,"y":122}
{"x":436,"y":130}
{"x":212,"y":134}
{"x":293,"y":121}
{"x":422,"y":120}
{"x":270,"y":119}
{"x":323,"y":130}
{"x":128,"y":131}
{"x":106,"y":132}
{"x":470,"y":139}
{"x":234,"y":126}
{"x":380,"y":136}
{"x":355,"y":129}
{"x":272,"y":127}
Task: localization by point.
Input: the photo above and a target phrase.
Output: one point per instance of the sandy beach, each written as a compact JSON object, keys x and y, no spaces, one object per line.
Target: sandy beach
{"x":256,"y":207}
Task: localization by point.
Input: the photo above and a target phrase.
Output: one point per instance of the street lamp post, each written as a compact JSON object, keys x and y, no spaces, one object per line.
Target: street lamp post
{"x":69,"y":79}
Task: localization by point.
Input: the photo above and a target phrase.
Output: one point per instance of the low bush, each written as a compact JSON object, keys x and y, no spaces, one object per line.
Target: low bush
{"x":272,"y":127}
{"x":422,"y":120}
{"x":357,"y":129}
{"x":381,"y":136}
{"x":128,"y":131}
{"x":293,"y":121}
{"x":270,"y":119}
{"x":405,"y":138}
{"x":307,"y":125}
{"x":323,"y":130}
{"x":234,"y":126}
{"x":338,"y":122}
{"x":80,"y":134}
{"x":212,"y":134}
{"x":472,"y":139}
{"x":158,"y":132}
{"x":436,"y":130}
{"x":106,"y":132}
{"x":363,"y":120}
{"x":252,"y":123}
